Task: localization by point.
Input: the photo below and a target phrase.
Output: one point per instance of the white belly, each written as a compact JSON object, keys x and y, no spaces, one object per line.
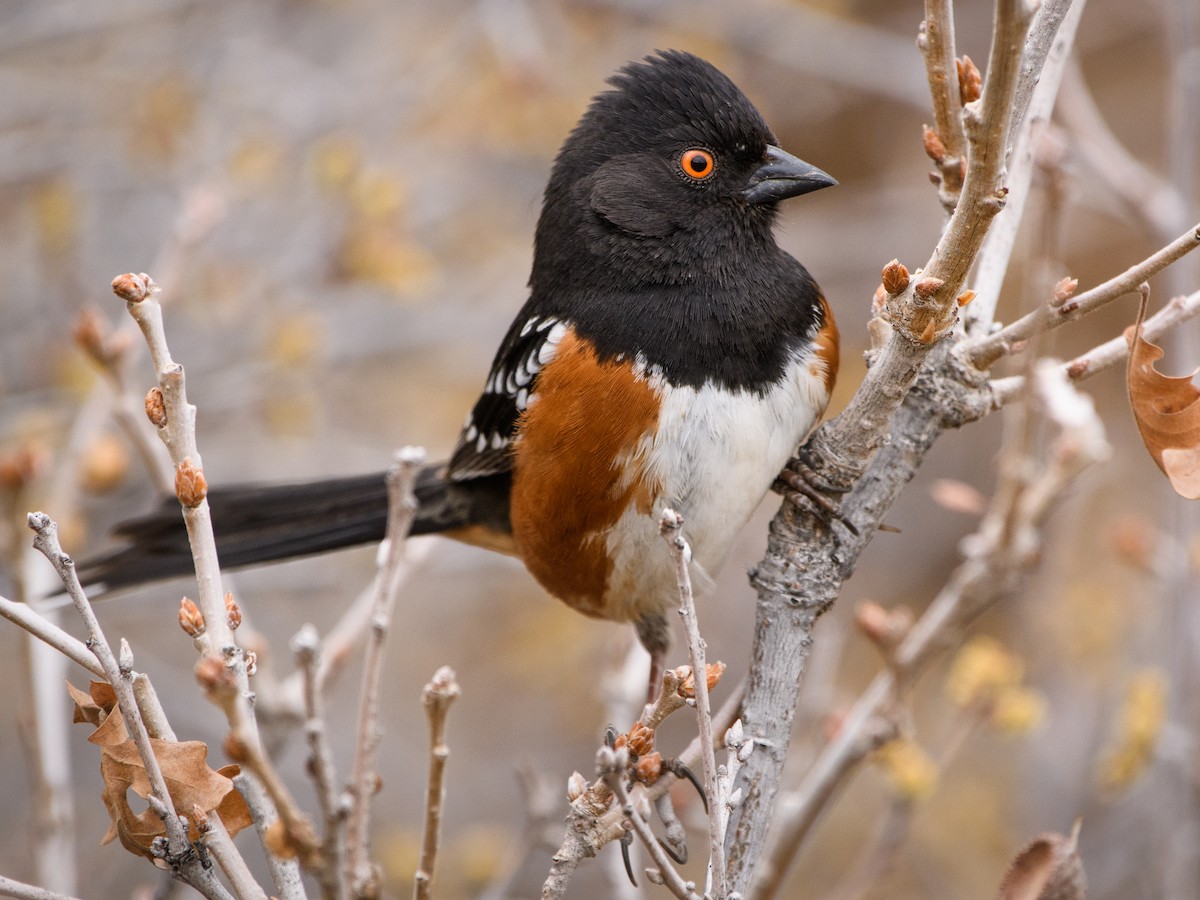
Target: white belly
{"x":715,"y":454}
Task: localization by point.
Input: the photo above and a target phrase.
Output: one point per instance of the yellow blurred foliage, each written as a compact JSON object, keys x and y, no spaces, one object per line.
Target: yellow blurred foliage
{"x":291,"y":412}
{"x":376,"y":195}
{"x":294,"y":341}
{"x":334,"y":161}
{"x":257,"y":159}
{"x":379,"y":253}
{"x":104,"y":464}
{"x":56,"y":215}
{"x":163,"y":116}
{"x":910,"y":771}
{"x":1018,"y":710}
{"x":1142,"y":716}
{"x":982,"y":669}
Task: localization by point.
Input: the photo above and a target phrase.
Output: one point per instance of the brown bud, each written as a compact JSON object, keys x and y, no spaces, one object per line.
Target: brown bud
{"x":641,"y":739}
{"x":191,"y":620}
{"x":895,"y":277}
{"x":251,"y":663}
{"x":1136,"y":540}
{"x":885,"y":628}
{"x":134,"y":288}
{"x":965,"y":297}
{"x":927,"y":287}
{"x":278,"y":842}
{"x":190,"y":486}
{"x":104,"y":465}
{"x":934,"y":148}
{"x":233,"y":611}
{"x":970,"y":82}
{"x":89,"y":333}
{"x":1064,"y":289}
{"x":235,"y":748}
{"x":649,"y":768}
{"x":713,"y":673}
{"x":216,"y":679}
{"x":1077,"y":369}
{"x":156,"y":408}
{"x":929,"y":333}
{"x":200,"y":818}
{"x":23,"y":465}
{"x":958,"y":496}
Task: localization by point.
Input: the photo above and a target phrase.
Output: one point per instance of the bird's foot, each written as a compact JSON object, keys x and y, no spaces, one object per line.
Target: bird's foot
{"x":806,"y":490}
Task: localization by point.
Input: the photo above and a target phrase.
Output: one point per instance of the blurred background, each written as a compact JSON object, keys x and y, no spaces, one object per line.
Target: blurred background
{"x":338,"y":197}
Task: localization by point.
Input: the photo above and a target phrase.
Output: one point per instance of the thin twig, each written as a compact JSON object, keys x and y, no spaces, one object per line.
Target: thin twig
{"x":285,"y":874}
{"x":120,"y":675}
{"x":401,"y":509}
{"x":11,"y":888}
{"x":587,"y":834}
{"x":1047,"y":50}
{"x":43,"y":629}
{"x":1155,"y":201}
{"x":936,"y":42}
{"x":220,"y":844}
{"x":220,"y":685}
{"x":437,"y":696}
{"x":984,"y":352}
{"x":612,"y":765}
{"x":1110,"y":353}
{"x":179,"y":435}
{"x":306,"y":645}
{"x":670,"y":527}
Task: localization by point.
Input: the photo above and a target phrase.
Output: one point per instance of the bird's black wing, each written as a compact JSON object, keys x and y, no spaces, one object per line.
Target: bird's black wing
{"x":485,"y":443}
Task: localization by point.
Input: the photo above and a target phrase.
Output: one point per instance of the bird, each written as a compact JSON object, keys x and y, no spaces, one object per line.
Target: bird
{"x":670,"y":355}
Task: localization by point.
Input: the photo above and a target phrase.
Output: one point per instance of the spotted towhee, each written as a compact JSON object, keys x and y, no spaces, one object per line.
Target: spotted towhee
{"x":670,"y":354}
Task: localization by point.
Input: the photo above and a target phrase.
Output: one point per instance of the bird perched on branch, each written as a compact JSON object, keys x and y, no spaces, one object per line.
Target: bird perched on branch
{"x":670,"y":355}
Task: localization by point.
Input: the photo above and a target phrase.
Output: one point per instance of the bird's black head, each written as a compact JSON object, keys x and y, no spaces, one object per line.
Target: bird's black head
{"x":671,"y":175}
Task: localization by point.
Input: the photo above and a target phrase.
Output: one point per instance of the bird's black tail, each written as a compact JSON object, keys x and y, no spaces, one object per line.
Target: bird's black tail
{"x":264,"y":523}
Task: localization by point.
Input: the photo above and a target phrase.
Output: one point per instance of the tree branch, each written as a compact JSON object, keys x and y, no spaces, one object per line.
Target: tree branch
{"x":437,"y":696}
{"x":984,"y":352}
{"x":360,"y":873}
{"x":1002,"y":548}
{"x":1103,"y":356}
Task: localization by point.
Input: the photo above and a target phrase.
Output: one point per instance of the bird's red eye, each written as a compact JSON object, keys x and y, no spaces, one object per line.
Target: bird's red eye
{"x":697,"y":164}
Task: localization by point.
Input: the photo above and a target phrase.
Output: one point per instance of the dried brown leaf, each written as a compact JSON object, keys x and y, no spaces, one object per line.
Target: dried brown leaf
{"x":1166,"y":410}
{"x":958,"y":496}
{"x":191,"y":783}
{"x":1048,"y":868}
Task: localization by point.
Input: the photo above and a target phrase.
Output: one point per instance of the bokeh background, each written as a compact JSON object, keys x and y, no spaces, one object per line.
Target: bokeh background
{"x":339,"y":197}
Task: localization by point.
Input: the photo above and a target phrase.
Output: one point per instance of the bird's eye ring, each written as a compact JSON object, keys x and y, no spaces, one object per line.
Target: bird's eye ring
{"x":697,"y":164}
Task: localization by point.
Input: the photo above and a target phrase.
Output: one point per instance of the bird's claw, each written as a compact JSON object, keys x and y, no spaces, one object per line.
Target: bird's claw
{"x":804,"y":488}
{"x":626,"y":840}
{"x":679,"y":770}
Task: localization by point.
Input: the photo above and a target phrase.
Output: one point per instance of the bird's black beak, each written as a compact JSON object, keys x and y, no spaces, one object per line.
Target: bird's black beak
{"x":781,"y":176}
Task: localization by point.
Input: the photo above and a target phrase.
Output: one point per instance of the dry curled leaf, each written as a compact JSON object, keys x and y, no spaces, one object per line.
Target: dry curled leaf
{"x":1048,"y":868}
{"x":1166,"y":411}
{"x":190,"y":781}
